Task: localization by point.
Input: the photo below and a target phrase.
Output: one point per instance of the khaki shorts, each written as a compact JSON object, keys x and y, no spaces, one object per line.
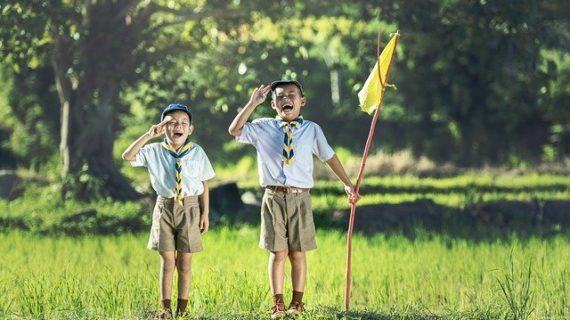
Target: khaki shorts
{"x":175,"y":227}
{"x":287,"y":222}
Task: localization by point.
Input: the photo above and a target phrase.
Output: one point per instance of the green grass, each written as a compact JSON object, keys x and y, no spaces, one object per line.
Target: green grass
{"x":393,"y":277}
{"x":456,"y":270}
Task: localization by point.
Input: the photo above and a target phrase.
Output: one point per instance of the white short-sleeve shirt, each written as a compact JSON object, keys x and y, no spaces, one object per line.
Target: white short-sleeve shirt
{"x":161,"y":166}
{"x":266,"y":135}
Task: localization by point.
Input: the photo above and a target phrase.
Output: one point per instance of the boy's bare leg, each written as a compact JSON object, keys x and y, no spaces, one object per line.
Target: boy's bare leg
{"x":183,"y":264}
{"x":276,"y":268}
{"x":277,"y":271}
{"x":298,"y":270}
{"x":298,"y":277}
{"x":167,"y":264}
{"x":166,"y":274}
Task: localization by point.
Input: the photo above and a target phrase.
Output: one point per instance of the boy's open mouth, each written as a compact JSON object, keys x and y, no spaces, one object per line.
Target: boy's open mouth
{"x":287,"y":107}
{"x":177,"y":135}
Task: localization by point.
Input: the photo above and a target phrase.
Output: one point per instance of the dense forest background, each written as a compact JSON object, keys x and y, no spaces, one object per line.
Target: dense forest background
{"x":478,"y":83}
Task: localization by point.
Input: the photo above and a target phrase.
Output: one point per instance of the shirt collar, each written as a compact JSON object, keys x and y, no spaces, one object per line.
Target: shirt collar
{"x":299,"y":119}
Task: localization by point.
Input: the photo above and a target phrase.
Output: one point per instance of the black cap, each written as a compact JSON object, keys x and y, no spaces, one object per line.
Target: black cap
{"x":277,"y":83}
{"x":174,"y":107}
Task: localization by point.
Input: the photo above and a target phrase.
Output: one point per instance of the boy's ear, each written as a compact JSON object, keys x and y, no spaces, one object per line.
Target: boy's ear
{"x":190,"y":129}
{"x":273,"y":104}
{"x":303,"y":101}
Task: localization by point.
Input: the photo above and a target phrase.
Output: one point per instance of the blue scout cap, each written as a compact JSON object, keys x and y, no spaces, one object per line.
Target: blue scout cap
{"x":174,"y":107}
{"x":277,"y":83}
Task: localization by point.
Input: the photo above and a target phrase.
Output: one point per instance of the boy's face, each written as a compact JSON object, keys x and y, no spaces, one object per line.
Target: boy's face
{"x":287,"y":101}
{"x":179,"y":128}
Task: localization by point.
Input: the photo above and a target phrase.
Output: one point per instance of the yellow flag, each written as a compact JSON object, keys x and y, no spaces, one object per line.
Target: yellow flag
{"x":371,"y":93}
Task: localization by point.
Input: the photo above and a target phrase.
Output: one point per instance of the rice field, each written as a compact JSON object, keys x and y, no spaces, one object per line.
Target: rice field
{"x":73,"y":260}
{"x":430,"y":277}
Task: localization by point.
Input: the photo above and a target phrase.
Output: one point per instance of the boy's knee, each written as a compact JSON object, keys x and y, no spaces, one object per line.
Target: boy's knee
{"x":297,"y":256}
{"x":183,"y":266}
{"x":168,"y":264}
{"x":279,"y":256}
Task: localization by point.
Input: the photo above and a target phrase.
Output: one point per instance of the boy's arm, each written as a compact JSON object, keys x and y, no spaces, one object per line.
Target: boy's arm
{"x":257,"y":98}
{"x":205,"y":208}
{"x":338,"y":170}
{"x":156,"y":130}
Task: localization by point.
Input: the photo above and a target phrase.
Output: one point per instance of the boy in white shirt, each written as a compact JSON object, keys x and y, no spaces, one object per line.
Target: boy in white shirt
{"x":179,"y":171}
{"x":285,"y":146}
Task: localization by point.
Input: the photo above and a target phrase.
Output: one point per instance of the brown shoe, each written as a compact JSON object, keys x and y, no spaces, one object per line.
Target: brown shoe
{"x":165,"y":314}
{"x":295,"y":308}
{"x":277,"y":311}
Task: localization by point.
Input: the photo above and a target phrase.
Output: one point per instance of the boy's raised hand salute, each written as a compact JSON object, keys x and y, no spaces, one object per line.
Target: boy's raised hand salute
{"x":259,"y":94}
{"x":257,"y":97}
{"x":154,"y":131}
{"x":158,"y":129}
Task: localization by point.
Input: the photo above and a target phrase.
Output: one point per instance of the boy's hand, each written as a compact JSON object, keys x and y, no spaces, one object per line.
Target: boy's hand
{"x":204,"y":223}
{"x":259,"y":94}
{"x":351,"y":193}
{"x":158,"y":129}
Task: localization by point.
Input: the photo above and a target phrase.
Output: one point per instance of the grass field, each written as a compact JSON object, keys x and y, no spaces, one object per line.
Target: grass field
{"x":73,"y":260}
{"x":394,"y":278}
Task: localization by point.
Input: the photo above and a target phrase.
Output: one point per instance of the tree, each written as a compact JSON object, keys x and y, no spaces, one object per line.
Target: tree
{"x":94,"y":49}
{"x":472,"y":69}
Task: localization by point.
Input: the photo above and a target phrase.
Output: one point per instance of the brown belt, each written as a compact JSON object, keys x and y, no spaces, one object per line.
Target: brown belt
{"x":287,"y":189}
{"x":187,"y":200}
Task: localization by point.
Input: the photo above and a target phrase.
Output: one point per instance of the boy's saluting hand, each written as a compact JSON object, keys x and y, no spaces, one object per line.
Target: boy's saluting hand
{"x":257,"y":97}
{"x":158,"y":129}
{"x":259,"y":94}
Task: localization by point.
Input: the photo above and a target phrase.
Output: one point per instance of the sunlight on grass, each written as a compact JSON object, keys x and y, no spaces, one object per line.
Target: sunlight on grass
{"x":115,"y":276}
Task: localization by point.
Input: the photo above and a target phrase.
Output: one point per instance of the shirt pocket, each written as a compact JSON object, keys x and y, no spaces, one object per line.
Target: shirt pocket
{"x":191,"y":169}
{"x":303,"y":151}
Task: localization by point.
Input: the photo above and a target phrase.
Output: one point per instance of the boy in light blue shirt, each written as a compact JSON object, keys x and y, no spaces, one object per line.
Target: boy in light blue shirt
{"x":285,"y":147}
{"x":179,"y":173}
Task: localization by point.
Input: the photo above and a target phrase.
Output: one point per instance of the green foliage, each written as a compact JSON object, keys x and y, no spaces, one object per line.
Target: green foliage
{"x":479,"y":82}
{"x":471,"y":64}
{"x":42,"y":210}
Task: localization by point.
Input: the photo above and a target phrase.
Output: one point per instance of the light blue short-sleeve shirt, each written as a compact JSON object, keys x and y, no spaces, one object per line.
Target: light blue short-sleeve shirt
{"x":161,"y":166}
{"x":266,"y":135}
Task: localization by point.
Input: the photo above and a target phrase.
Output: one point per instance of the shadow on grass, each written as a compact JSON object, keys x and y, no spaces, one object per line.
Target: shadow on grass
{"x":327,"y":312}
{"x":487,"y":221}
{"x":380,"y":189}
{"x":321,"y":312}
{"x":481,"y":221}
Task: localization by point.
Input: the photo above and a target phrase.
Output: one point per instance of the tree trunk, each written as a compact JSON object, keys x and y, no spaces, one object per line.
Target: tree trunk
{"x":88,"y":99}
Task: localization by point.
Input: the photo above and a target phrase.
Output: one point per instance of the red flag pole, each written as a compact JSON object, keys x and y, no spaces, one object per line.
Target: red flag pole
{"x":361,"y":173}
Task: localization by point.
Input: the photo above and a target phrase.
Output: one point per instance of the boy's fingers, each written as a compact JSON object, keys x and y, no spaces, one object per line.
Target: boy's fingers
{"x":166,"y":120}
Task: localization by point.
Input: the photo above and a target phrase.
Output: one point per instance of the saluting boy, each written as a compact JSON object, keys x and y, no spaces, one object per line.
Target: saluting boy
{"x":285,"y":146}
{"x":179,"y":173}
